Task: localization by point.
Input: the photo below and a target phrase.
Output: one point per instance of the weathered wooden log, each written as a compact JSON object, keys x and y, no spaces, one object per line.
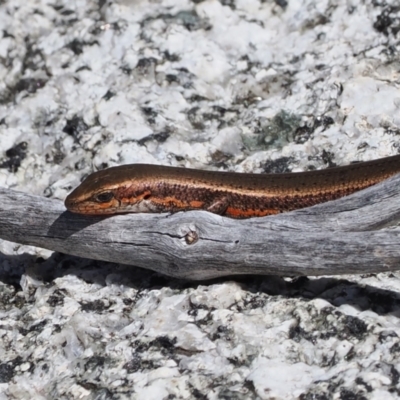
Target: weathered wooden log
{"x":353,"y":235}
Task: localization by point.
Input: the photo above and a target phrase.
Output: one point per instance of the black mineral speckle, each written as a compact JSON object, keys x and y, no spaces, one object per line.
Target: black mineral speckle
{"x":103,"y":394}
{"x":31,"y":85}
{"x":222,"y":331}
{"x":94,"y":362}
{"x":277,"y":166}
{"x":160,"y":137}
{"x":145,"y":65}
{"x":327,"y":158}
{"x":75,"y":126}
{"x":354,"y":326}
{"x":346,"y":394}
{"x":314,"y":396}
{"x":281,"y":3}
{"x":388,"y":21}
{"x":165,"y":344}
{"x":140,"y":346}
{"x":6,"y":372}
{"x":297,"y":333}
{"x":394,"y":374}
{"x":195,"y":118}
{"x":302,"y":134}
{"x":77,"y":45}
{"x":83,"y":68}
{"x":96,"y":306}
{"x":395,"y":348}
{"x":361,"y":382}
{"x":38,"y":327}
{"x":198,"y":395}
{"x":164,"y":341}
{"x":15,"y":155}
{"x":56,"y":299}
{"x":134,"y":365}
{"x":108,"y":95}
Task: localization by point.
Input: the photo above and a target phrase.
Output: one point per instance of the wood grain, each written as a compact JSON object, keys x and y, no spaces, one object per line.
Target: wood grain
{"x":353,"y":235}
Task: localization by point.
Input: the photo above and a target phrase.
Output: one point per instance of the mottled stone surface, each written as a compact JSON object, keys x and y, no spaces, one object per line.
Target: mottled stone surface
{"x":252,"y":86}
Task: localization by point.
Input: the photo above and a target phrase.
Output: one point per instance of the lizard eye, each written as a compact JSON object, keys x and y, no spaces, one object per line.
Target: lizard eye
{"x":104,"y":197}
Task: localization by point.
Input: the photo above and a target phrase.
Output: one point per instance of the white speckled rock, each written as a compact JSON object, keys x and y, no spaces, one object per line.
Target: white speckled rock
{"x":263,"y":86}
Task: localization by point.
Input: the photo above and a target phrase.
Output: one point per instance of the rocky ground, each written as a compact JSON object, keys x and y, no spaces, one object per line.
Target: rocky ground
{"x":247,"y":86}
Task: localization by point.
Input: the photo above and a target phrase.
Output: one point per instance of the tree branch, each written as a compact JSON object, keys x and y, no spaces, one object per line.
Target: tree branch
{"x":349,"y":235}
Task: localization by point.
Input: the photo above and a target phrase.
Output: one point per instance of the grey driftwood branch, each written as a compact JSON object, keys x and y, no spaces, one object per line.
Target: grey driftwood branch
{"x":356,"y":234}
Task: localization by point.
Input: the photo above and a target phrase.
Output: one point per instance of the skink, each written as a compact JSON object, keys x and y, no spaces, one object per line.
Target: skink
{"x":152,"y":188}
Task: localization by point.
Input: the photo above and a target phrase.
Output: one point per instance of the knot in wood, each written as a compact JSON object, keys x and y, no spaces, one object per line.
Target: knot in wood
{"x":191,"y":237}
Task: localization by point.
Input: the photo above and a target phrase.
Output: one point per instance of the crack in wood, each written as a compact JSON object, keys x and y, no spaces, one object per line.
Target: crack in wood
{"x":346,"y":236}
